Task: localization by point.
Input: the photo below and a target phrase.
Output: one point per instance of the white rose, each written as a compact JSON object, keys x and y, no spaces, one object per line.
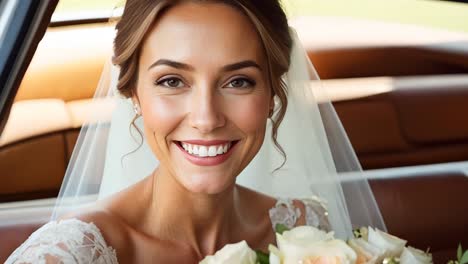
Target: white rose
{"x":306,"y":244}
{"x":239,"y":253}
{"x":412,"y":255}
{"x":274,"y":259}
{"x":366,"y":252}
{"x":391,"y":245}
{"x":275,"y":254}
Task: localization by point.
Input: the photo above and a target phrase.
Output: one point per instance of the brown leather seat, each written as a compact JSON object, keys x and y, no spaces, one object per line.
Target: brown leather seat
{"x":13,"y":236}
{"x":53,"y":102}
{"x":404,"y":121}
{"x":38,"y":143}
{"x":430,"y":210}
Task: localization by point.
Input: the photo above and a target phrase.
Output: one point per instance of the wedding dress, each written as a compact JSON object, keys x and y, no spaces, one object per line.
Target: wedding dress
{"x":78,"y":242}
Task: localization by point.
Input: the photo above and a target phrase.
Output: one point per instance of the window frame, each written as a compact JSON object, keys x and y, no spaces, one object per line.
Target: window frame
{"x":22,"y":34}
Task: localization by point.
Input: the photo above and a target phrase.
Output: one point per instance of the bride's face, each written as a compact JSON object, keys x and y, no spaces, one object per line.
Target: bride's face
{"x":204,"y":94}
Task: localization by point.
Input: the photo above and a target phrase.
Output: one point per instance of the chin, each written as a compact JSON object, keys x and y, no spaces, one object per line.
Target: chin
{"x":208,"y":183}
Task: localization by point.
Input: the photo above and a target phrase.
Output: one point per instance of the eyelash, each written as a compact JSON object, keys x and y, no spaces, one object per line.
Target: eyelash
{"x":165,"y":80}
{"x":249,"y":82}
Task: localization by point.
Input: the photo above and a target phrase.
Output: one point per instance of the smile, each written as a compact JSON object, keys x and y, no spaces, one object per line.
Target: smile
{"x":206,"y":151}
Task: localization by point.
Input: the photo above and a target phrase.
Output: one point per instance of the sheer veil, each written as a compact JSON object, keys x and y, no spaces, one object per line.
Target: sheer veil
{"x":111,"y":155}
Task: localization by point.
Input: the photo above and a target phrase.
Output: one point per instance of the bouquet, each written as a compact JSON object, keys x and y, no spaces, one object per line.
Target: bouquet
{"x":309,"y":245}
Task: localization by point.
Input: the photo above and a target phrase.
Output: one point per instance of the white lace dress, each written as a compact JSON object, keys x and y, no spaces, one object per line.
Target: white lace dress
{"x":75,"y":241}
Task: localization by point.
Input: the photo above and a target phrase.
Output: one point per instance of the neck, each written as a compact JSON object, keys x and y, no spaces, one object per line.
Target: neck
{"x":202,"y":220}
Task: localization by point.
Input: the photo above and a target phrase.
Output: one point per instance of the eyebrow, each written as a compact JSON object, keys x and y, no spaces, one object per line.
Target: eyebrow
{"x":173,"y":64}
{"x":187,"y":67}
{"x":241,"y":65}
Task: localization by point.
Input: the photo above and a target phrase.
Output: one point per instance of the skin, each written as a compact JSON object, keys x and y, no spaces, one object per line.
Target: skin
{"x":183,"y":212}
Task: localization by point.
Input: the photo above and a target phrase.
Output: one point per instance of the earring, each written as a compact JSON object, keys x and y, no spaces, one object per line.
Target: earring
{"x":137,"y":109}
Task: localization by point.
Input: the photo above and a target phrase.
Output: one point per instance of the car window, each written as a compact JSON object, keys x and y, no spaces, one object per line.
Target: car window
{"x":436,"y":14}
{"x":446,"y":15}
{"x":69,"y":10}
{"x":6,"y":13}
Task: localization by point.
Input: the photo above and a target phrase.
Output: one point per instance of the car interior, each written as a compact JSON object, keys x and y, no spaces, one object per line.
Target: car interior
{"x":401,"y":93}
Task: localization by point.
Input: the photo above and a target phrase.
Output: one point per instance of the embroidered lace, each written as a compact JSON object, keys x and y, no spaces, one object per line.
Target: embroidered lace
{"x":75,"y":241}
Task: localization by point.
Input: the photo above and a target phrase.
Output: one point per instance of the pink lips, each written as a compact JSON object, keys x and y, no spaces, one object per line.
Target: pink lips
{"x":207,"y":142}
{"x":207,"y":161}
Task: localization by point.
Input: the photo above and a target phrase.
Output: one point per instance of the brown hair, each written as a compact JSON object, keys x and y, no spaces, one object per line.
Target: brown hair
{"x":267,"y":16}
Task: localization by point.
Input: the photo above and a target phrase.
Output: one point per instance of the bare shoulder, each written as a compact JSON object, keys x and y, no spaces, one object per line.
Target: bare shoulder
{"x":113,"y":219}
{"x":262,"y":201}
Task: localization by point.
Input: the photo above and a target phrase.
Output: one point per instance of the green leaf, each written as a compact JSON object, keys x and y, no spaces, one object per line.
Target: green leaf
{"x":280,"y":228}
{"x":391,"y":261}
{"x":357,"y":233}
{"x":464,"y":258}
{"x":459,"y":252}
{"x":262,"y":257}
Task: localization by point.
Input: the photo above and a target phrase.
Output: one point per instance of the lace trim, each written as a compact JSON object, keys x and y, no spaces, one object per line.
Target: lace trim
{"x":66,"y":241}
{"x":287,"y":214}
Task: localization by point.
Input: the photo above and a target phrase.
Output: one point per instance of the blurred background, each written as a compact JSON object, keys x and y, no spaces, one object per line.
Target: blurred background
{"x":452,"y":16}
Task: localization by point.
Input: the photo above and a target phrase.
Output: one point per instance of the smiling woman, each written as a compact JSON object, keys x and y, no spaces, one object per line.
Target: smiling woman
{"x":230,"y":124}
{"x":202,"y":105}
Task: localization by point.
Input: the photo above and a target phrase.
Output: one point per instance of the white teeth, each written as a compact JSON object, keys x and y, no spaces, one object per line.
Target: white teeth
{"x":202,"y":151}
{"x":190,"y":149}
{"x":212,"y":151}
{"x":220,"y":150}
{"x":205,"y":151}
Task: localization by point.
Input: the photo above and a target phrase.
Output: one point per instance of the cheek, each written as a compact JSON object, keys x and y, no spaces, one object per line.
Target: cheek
{"x":251,"y":113}
{"x":161,"y":116}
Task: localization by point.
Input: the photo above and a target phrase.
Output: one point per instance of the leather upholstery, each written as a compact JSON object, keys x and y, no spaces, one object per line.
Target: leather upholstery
{"x":34,"y":118}
{"x":32,"y":168}
{"x":76,"y":67}
{"x":15,"y":235}
{"x":431,"y":113}
{"x":428,"y":210}
{"x":405,"y":120}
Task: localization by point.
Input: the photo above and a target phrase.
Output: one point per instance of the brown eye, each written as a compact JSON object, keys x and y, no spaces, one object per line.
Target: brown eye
{"x":240,"y":83}
{"x":171,"y":82}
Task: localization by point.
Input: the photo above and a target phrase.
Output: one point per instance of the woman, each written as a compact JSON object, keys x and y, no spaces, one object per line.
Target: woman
{"x":204,"y":78}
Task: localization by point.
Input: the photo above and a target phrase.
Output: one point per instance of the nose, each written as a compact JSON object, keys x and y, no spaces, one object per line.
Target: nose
{"x":206,"y":114}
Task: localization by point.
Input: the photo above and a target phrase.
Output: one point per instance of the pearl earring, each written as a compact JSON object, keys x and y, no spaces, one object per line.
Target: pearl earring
{"x":137,"y":109}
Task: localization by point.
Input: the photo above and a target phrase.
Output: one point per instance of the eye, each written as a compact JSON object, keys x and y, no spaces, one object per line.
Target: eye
{"x":241,"y":83}
{"x":171,"y":82}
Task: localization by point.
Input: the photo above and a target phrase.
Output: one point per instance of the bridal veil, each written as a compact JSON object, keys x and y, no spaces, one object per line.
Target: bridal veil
{"x":111,"y":155}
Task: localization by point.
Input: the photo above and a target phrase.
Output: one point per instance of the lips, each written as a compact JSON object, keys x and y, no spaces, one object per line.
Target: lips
{"x":206,"y":153}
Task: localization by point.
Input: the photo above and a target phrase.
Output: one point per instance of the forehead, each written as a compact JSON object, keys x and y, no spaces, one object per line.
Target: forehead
{"x":203,"y":32}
